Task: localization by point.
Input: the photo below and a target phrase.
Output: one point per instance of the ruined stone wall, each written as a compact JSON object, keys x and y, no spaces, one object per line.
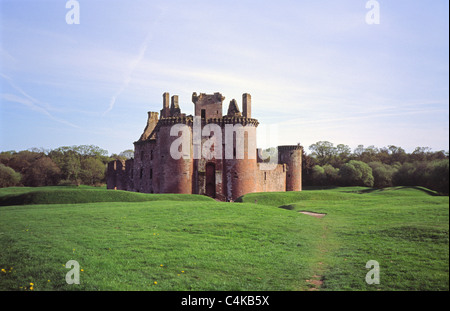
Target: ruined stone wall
{"x":145,"y":162}
{"x":292,"y":157}
{"x":119,"y":175}
{"x":271,"y":177}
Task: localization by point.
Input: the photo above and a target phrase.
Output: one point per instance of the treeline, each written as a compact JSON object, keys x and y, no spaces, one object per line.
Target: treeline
{"x":330,"y":165}
{"x":75,"y":165}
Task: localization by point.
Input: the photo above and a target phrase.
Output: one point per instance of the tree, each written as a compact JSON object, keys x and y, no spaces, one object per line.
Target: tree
{"x":332,"y":174}
{"x":343,"y":153}
{"x":356,"y":173}
{"x":8,"y":177}
{"x":127,"y":154}
{"x":43,"y":172}
{"x":322,"y":151}
{"x":69,"y":161}
{"x":318,"y":176}
{"x":439,"y":177}
{"x":23,"y":159}
{"x":92,"y":171}
{"x":397,"y":154}
{"x":382,"y":174}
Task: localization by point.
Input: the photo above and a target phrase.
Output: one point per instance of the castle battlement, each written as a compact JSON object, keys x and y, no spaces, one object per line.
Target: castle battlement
{"x":225,"y":176}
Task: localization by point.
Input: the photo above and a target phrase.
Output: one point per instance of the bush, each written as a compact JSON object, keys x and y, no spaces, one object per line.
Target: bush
{"x":382,"y":174}
{"x":318,"y":176}
{"x":439,"y":176}
{"x":356,"y":173}
{"x":8,"y":177}
{"x":324,"y":176}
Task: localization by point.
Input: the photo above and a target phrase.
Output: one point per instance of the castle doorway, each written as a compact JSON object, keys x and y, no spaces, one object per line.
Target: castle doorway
{"x":210,"y":180}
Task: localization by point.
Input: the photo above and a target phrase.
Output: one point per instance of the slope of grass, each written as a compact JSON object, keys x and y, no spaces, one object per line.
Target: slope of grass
{"x":194,"y":245}
{"x":200,"y":244}
{"x":405,"y":229}
{"x":71,"y":195}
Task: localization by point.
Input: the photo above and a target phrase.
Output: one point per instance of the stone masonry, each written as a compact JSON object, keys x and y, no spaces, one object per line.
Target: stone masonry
{"x":224,"y":177}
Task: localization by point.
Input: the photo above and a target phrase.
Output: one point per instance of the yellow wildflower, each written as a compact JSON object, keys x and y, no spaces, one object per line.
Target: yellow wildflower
{"x":155,"y":282}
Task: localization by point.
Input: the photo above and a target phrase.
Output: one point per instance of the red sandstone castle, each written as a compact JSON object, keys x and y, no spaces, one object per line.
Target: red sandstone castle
{"x":216,"y":157}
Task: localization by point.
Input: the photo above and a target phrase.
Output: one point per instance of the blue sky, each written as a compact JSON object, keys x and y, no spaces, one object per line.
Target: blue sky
{"x":315,"y":69}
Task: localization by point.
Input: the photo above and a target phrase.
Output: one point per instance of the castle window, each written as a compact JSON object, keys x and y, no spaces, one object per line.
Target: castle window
{"x":203,"y":112}
{"x":265,"y":176}
{"x":140,"y":173}
{"x":151,"y":173}
{"x":151,"y":155}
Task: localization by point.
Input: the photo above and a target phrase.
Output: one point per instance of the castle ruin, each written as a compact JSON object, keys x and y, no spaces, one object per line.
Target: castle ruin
{"x":220,"y":160}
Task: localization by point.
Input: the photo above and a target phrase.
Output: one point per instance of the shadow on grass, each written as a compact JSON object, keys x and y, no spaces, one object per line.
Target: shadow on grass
{"x":424,"y":190}
{"x":319,"y":187}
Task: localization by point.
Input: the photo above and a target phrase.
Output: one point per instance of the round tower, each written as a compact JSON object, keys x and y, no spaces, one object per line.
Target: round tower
{"x":292,"y":156}
{"x":240,"y":156}
{"x":175,"y":160}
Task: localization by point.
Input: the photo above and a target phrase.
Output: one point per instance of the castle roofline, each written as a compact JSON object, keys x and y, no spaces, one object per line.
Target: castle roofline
{"x":289,"y":147}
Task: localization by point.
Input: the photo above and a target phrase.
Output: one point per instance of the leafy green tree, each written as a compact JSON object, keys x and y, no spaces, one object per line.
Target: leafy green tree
{"x":92,"y":171}
{"x":8,"y":176}
{"x":397,"y":154}
{"x":318,"y":176}
{"x":382,"y":174}
{"x":69,"y":161}
{"x":323,"y":152}
{"x":439,"y":177}
{"x":332,"y":174}
{"x":342,"y":155}
{"x":356,"y":173}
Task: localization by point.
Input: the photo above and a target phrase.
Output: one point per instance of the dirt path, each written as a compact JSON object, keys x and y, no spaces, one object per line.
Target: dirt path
{"x":318,"y":215}
{"x":316,"y":281}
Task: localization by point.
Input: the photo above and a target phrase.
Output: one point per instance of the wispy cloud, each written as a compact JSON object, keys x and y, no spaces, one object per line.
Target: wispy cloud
{"x":133,"y":64}
{"x":128,"y":73}
{"x":30,"y":102}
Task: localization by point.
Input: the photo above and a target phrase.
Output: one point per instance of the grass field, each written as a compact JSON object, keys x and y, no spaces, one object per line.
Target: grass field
{"x":135,"y":241}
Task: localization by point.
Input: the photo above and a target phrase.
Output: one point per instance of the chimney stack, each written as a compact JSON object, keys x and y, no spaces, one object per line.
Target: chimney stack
{"x":246,"y":105}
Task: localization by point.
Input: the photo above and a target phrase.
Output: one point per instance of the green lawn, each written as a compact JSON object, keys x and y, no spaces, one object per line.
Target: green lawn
{"x":135,"y":241}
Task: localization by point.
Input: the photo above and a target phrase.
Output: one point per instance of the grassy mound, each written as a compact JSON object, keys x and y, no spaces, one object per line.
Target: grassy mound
{"x":71,"y":195}
{"x":283,"y":198}
{"x":199,"y":244}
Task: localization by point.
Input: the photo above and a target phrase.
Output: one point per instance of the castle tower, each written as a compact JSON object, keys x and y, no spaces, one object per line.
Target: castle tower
{"x":174,"y":175}
{"x":292,"y":157}
{"x":241,"y":169}
{"x":208,"y":106}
